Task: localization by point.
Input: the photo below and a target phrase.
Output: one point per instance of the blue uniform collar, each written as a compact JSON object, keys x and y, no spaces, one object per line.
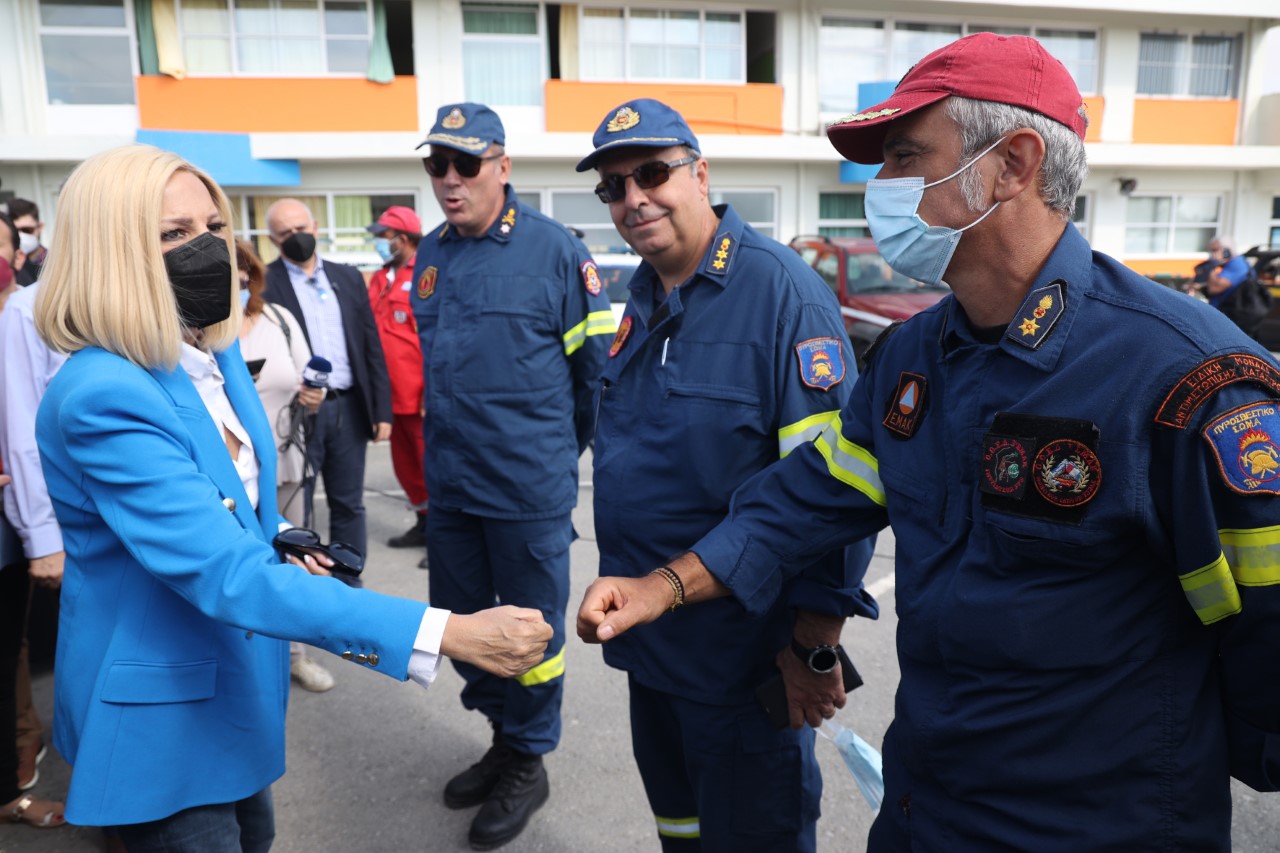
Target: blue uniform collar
{"x":501,"y":229}
{"x":715,"y":266}
{"x":1039,"y":330}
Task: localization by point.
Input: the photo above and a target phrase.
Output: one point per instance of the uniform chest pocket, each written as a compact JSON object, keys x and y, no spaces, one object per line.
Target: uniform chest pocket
{"x":1030,"y":542}
{"x":712,"y":394}
{"x":524,"y":297}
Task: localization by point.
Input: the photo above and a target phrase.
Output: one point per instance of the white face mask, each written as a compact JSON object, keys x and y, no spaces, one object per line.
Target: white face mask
{"x":906,"y":242}
{"x":27,"y":243}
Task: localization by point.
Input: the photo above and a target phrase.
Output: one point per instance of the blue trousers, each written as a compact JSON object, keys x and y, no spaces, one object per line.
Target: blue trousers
{"x":478,"y":562}
{"x":721,"y":778}
{"x":336,"y":450}
{"x":247,"y":826}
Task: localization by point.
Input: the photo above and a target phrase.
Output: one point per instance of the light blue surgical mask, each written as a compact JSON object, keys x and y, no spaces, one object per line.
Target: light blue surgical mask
{"x":244,"y":295}
{"x":382,"y":246}
{"x":906,"y":242}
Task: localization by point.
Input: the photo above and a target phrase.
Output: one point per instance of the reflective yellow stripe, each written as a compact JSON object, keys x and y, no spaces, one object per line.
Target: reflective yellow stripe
{"x":1254,"y":555}
{"x":802,"y":432}
{"x":550,"y":668}
{"x":1212,"y":591}
{"x":849,"y":463}
{"x":678,"y":827}
{"x":597,"y":323}
{"x":601,"y":323}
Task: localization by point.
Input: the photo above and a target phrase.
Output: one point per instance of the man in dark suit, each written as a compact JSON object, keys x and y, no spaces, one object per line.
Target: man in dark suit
{"x":331,"y":304}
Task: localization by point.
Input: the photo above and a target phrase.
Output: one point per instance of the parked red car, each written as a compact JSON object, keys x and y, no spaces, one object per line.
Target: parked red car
{"x":870,"y":293}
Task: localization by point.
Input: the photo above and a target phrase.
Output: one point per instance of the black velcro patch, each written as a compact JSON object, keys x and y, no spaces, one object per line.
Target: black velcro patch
{"x":1040,"y":467}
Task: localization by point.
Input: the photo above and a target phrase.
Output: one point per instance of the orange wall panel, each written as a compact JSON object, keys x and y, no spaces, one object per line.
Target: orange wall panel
{"x":1093,"y":109}
{"x":1165,"y":266}
{"x":275,"y":104}
{"x":753,"y":108}
{"x":1166,"y":121}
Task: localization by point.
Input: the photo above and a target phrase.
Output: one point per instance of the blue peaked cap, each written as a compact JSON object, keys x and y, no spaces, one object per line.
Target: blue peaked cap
{"x":642,"y":123}
{"x":466,"y":127}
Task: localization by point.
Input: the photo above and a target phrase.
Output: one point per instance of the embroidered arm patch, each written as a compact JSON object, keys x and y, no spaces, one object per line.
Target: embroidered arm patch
{"x":821,"y":362}
{"x":1210,"y":377}
{"x":591,"y":278}
{"x":1244,"y":446}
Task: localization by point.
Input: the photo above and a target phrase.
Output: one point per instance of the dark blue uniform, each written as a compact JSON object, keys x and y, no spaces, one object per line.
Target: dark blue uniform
{"x":514,"y":326}
{"x":741,"y":363}
{"x":1087,"y":568}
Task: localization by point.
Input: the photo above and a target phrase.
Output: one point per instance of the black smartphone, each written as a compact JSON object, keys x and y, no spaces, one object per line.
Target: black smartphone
{"x":255,"y":367}
{"x":772,"y":695}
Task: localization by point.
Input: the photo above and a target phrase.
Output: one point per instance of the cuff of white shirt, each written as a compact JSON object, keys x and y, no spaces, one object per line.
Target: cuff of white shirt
{"x":42,"y":540}
{"x":424,"y":662}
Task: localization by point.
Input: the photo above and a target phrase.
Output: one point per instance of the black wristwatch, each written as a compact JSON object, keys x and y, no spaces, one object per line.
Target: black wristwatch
{"x":820,"y":659}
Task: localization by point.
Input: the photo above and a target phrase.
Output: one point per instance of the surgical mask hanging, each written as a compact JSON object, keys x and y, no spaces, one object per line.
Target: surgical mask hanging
{"x":382,"y":246}
{"x":906,"y":242}
{"x":200,"y":273}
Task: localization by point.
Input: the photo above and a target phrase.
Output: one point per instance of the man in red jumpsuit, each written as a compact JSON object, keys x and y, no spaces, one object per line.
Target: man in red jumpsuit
{"x":396,"y":236}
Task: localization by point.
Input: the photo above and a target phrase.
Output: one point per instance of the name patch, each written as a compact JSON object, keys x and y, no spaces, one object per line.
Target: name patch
{"x":1245,"y":447}
{"x":1210,"y":377}
{"x":821,"y":362}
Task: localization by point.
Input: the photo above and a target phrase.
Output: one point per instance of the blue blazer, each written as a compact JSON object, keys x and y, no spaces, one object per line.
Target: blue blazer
{"x":169,"y":690}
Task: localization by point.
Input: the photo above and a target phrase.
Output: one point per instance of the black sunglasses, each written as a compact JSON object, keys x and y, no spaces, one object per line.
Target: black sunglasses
{"x":614,"y":187}
{"x":468,"y":165}
{"x":348,"y":562}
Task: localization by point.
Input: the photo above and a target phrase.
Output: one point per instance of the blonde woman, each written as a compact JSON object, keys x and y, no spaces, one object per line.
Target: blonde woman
{"x":170,"y":691}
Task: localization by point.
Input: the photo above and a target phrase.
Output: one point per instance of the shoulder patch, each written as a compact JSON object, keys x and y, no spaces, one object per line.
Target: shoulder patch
{"x":591,"y":278}
{"x":427,"y":282}
{"x":620,"y":338}
{"x":1209,"y":377}
{"x":1245,"y":448}
{"x":821,"y":362}
{"x":906,"y":407}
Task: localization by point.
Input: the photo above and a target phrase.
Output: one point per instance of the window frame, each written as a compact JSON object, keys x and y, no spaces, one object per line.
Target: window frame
{"x":540,"y":20}
{"x":231,"y":36}
{"x":1184,"y":71}
{"x":127,"y":30}
{"x":968,"y":25}
{"x":1172,"y":224}
{"x":1085,"y":224}
{"x":758,"y":224}
{"x":841,"y":223}
{"x":627,"y":77}
{"x":1273,"y":226}
{"x":327,"y":235}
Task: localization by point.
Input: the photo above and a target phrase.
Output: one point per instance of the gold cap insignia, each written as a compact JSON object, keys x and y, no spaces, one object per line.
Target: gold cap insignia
{"x":887,"y":111}
{"x":454,"y":120}
{"x":624,"y":119}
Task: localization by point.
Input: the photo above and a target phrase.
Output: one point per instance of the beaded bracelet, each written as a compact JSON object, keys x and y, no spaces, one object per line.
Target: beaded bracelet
{"x":677,"y":586}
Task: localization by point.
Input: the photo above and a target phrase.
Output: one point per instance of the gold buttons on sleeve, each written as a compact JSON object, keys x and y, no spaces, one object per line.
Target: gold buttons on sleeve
{"x":373,"y":659}
{"x":361,"y":658}
{"x":347,"y":655}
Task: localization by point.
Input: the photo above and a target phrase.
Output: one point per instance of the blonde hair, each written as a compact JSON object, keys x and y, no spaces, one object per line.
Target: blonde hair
{"x":105,"y":284}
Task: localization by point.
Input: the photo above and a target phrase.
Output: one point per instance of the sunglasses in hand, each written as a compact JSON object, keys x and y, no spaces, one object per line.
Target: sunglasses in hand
{"x":466,"y":165}
{"x":303,"y":542}
{"x":614,"y":187}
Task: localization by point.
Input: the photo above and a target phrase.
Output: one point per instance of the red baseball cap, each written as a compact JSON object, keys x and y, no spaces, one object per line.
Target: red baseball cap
{"x":1014,"y":70}
{"x":398,"y":218}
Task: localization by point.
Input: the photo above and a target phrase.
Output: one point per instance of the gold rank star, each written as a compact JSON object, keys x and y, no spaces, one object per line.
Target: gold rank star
{"x":1029,"y":327}
{"x":718,"y":264}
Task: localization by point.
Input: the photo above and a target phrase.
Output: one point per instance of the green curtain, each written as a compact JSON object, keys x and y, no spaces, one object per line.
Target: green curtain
{"x":380,"y":70}
{"x":148,"y":58}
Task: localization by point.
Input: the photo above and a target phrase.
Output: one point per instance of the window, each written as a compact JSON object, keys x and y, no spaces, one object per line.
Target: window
{"x":1080,"y":216}
{"x":88,"y":53}
{"x":841,"y":215}
{"x":1171,"y":224}
{"x":268,"y":37}
{"x":1188,"y":66}
{"x":341,"y":219}
{"x":853,"y":51}
{"x":757,"y":208}
{"x":582,"y":210}
{"x":662,"y":44}
{"x":502,"y":54}
{"x":1274,"y":238}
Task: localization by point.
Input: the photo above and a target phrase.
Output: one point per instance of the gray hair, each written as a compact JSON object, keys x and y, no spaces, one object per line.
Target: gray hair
{"x":1224,"y":242}
{"x":983,"y":122}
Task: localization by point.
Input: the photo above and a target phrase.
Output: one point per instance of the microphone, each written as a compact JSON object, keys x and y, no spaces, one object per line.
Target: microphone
{"x":316,"y":373}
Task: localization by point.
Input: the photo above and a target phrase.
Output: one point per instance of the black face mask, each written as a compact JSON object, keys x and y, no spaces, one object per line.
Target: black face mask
{"x":200,"y":272}
{"x":299,"y":247}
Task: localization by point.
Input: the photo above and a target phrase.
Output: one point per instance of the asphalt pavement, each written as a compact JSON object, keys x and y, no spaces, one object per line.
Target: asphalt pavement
{"x":368,"y":760}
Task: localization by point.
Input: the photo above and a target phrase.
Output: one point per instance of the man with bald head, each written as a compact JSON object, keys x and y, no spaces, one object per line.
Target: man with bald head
{"x":332,"y":306}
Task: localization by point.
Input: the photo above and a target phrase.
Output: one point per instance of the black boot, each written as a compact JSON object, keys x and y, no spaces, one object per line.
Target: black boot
{"x":414,"y":537}
{"x":520,"y":792}
{"x":473,"y":786}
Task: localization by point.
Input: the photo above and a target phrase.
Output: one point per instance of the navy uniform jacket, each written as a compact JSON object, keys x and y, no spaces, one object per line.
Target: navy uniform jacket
{"x":741,"y":363}
{"x":514,"y":325}
{"x":1087,"y":567}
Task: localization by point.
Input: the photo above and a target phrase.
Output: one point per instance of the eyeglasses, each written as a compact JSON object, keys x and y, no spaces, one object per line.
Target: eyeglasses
{"x":614,"y":187}
{"x":348,"y":562}
{"x":467,"y":165}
